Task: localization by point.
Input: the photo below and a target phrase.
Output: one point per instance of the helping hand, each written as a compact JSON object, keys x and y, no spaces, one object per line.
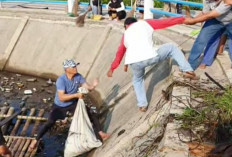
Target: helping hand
{"x":189,"y":21}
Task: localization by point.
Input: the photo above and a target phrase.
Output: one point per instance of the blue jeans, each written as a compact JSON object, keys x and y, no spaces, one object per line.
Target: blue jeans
{"x":138,"y":69}
{"x":210,"y":51}
{"x":212,"y":29}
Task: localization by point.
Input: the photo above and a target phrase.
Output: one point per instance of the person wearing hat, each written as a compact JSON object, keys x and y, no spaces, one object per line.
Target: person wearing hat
{"x":138,"y":46}
{"x":66,"y":99}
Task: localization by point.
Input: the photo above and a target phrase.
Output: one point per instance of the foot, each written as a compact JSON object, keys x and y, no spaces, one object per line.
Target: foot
{"x":103,"y":135}
{"x":191,"y":75}
{"x":33,"y":144}
{"x":202,"y":66}
{"x":143,"y":109}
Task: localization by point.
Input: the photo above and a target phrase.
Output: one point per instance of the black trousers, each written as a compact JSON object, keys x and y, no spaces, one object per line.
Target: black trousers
{"x":2,"y":139}
{"x":60,"y":113}
{"x":120,"y":14}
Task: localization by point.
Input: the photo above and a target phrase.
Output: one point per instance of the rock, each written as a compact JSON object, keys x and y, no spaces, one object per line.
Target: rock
{"x":28,"y":92}
{"x":34,"y":89}
{"x":18,"y":75}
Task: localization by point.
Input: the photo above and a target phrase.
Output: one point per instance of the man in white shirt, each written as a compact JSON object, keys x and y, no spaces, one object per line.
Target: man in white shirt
{"x":137,"y":44}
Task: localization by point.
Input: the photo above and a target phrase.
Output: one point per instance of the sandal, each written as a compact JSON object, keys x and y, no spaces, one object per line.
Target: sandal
{"x":143,"y":109}
{"x":190,"y":75}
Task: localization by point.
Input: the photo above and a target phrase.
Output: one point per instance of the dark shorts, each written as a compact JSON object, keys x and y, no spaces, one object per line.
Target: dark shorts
{"x":61,"y":112}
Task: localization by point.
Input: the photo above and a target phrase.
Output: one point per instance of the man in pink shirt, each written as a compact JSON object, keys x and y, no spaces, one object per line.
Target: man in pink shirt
{"x":137,"y":44}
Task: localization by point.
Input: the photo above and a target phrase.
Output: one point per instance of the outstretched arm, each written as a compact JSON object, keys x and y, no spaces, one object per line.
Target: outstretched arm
{"x":164,"y":23}
{"x":118,"y":58}
{"x":202,"y":18}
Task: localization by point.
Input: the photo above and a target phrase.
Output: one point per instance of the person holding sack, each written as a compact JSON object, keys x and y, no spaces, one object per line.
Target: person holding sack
{"x":66,"y":99}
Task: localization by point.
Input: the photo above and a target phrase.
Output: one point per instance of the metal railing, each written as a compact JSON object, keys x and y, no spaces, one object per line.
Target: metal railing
{"x":155,"y":11}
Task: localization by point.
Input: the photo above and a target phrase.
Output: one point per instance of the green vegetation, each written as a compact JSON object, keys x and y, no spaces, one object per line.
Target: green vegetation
{"x":215,"y":110}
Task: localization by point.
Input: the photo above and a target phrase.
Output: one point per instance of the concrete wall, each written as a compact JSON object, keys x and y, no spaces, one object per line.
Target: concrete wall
{"x":42,"y":45}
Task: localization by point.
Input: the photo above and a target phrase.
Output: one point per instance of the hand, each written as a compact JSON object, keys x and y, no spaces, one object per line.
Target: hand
{"x":89,"y":8}
{"x":229,"y":2}
{"x":189,"y":21}
{"x":95,"y":82}
{"x":110,"y":73}
{"x":125,"y":68}
{"x":79,"y":95}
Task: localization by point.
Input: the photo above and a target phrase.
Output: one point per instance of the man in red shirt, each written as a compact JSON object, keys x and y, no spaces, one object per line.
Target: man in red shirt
{"x":137,"y":44}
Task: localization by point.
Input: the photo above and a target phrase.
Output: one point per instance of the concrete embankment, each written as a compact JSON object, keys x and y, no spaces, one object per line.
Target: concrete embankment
{"x":37,"y":46}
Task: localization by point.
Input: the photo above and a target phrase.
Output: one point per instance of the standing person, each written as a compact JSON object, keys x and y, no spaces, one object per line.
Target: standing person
{"x":96,"y":7}
{"x":66,"y":99}
{"x":137,"y":43}
{"x":140,"y":3}
{"x":214,"y":47}
{"x":217,"y":21}
{"x":211,"y":48}
{"x":116,"y":10}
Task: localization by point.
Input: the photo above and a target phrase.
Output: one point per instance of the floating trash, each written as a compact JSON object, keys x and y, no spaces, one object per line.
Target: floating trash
{"x":8,"y":90}
{"x":31,"y":80}
{"x":45,"y":100}
{"x":28,"y":92}
{"x":20,"y":85}
{"x":49,"y":82}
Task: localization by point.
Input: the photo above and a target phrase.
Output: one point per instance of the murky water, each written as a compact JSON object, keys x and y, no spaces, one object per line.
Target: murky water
{"x":12,"y":88}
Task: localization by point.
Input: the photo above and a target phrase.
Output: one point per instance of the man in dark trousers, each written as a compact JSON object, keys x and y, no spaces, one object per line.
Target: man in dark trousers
{"x":66,"y":100}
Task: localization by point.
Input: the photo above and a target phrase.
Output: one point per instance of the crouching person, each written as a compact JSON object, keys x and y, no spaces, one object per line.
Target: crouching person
{"x":66,"y":99}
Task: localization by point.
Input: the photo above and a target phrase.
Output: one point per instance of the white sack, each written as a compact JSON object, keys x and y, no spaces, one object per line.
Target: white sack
{"x":81,"y":137}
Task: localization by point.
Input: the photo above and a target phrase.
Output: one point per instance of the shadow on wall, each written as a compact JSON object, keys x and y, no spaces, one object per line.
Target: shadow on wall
{"x":159,"y":72}
{"x":107,"y":110}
